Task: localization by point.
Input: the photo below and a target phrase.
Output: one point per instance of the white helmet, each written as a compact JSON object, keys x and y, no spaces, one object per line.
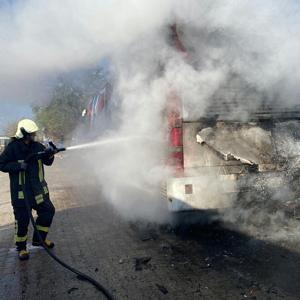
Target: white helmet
{"x":28,"y":125}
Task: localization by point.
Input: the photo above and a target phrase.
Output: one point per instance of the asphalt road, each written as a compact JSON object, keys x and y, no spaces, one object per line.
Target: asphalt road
{"x":135,"y":260}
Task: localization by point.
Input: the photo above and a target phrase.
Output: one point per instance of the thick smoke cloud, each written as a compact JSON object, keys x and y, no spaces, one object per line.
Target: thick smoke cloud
{"x":42,"y":38}
{"x":254,"y":41}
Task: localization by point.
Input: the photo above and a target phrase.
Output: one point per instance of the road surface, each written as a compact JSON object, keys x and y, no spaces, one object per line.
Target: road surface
{"x":135,"y":260}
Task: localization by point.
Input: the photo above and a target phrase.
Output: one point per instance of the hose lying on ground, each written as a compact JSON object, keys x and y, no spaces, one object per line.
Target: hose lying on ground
{"x":79,"y":274}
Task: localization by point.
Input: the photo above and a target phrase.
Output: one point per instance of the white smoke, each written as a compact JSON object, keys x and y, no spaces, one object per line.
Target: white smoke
{"x":39,"y":38}
{"x":257,"y":41}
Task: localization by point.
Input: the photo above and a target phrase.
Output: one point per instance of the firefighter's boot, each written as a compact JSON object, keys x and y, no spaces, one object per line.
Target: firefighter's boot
{"x":23,"y":254}
{"x":47,"y":242}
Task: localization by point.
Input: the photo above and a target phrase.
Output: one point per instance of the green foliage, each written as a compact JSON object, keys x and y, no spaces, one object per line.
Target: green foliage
{"x":60,"y":117}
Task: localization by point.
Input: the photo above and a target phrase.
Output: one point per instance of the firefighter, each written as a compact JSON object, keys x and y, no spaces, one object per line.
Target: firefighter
{"x":26,"y":171}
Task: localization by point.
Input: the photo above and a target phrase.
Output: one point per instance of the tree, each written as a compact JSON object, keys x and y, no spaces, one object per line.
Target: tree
{"x":11,"y":128}
{"x":60,"y":117}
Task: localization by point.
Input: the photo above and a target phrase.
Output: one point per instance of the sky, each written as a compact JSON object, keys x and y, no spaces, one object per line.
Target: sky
{"x":10,"y":112}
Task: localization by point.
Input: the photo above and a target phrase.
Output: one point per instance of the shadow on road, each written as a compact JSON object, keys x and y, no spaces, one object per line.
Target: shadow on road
{"x":97,"y":241}
{"x":254,"y":262}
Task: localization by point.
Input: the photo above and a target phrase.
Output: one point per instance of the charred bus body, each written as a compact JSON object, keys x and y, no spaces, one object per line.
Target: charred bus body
{"x":236,"y":153}
{"x":223,"y":160}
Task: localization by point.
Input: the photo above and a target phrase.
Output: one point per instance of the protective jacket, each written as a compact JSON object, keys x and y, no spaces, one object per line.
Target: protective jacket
{"x":36,"y":188}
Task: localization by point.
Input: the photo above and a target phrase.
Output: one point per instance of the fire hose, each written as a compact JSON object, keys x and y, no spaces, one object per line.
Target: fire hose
{"x":80,"y":275}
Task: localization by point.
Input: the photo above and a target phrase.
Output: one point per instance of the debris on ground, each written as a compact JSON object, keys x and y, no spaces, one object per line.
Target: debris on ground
{"x":147,"y":235}
{"x":165,"y":246}
{"x":162,"y":289}
{"x":144,"y":232}
{"x":141,"y":262}
{"x":73,"y":289}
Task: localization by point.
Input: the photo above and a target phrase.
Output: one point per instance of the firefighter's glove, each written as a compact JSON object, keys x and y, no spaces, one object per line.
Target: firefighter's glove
{"x":23,"y":166}
{"x":50,"y":151}
{"x":52,"y":145}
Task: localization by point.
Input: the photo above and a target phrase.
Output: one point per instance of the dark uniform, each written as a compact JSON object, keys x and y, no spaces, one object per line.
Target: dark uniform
{"x":36,"y":189}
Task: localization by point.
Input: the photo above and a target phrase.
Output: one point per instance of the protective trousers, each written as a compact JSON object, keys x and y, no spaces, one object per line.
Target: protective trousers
{"x":45,"y":212}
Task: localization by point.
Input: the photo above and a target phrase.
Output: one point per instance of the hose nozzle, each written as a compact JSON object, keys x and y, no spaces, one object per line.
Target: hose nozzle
{"x":61,"y":149}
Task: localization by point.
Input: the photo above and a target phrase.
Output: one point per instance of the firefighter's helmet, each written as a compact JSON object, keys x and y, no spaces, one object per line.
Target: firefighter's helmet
{"x":26,"y":125}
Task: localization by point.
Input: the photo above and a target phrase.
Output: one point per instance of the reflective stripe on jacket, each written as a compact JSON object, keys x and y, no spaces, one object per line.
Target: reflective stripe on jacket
{"x":10,"y":162}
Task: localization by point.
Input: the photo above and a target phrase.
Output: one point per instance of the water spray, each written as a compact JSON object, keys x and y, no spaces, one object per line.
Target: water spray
{"x":96,"y":144}
{"x":107,"y":142}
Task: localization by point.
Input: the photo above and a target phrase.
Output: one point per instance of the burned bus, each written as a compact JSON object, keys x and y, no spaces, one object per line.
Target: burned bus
{"x":233,"y":154}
